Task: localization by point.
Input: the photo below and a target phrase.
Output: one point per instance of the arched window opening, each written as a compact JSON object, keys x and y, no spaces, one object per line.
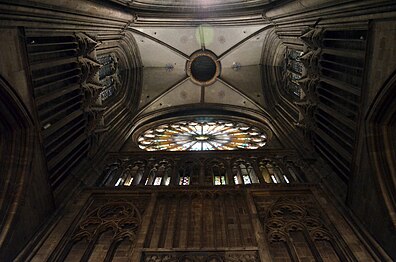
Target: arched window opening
{"x":130,"y":175}
{"x":244,"y":173}
{"x":110,"y":174}
{"x":201,"y":135}
{"x":188,"y":172}
{"x":160,"y":174}
{"x":273,"y":173}
{"x":217,"y":171}
{"x":109,"y":76}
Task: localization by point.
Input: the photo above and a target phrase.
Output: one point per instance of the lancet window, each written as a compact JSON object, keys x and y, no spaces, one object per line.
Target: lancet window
{"x":201,"y":169}
{"x":217,"y":172}
{"x":244,"y":173}
{"x":160,"y":173}
{"x":129,"y":174}
{"x":188,"y":173}
{"x":273,"y":173}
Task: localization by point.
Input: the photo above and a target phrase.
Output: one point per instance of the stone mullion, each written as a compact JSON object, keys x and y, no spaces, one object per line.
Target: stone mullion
{"x":185,"y":221}
{"x":339,"y":250}
{"x":90,"y":247}
{"x":145,"y":175}
{"x":167,"y":173}
{"x":292,"y":177}
{"x":136,"y":252}
{"x":170,"y":225}
{"x":66,"y":250}
{"x":278,"y":174}
{"x":260,"y":236}
{"x":292,"y":248}
{"x":239,"y":173}
{"x":224,"y":230}
{"x":312,"y":246}
{"x":202,"y":212}
{"x":212,"y":210}
{"x":151,"y":176}
{"x":256,"y":169}
{"x":201,"y":173}
{"x":112,"y":249}
{"x":230,"y":178}
{"x":164,"y":222}
{"x":190,"y":227}
{"x":117,"y":174}
{"x":267,"y":175}
{"x":240,"y":234}
{"x":176,"y":225}
{"x":175,"y":176}
{"x":134,"y":174}
{"x":285,"y":172}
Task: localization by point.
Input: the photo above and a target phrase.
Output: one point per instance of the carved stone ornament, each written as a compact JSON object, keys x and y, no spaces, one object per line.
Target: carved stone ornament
{"x":92,"y":94}
{"x":95,"y":120}
{"x":308,"y":85}
{"x":310,"y":61}
{"x":86,"y":44}
{"x":312,"y":37}
{"x":89,"y":70}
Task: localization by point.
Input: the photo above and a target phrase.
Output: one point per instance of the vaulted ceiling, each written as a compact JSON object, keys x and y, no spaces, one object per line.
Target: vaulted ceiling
{"x":165,"y":51}
{"x":198,"y":6}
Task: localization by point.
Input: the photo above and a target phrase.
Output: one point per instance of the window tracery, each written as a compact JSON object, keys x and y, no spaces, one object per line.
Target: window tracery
{"x":217,"y":172}
{"x":201,"y":168}
{"x":104,"y":229}
{"x":187,"y":171}
{"x":244,"y":173}
{"x":160,"y":173}
{"x":273,"y":172}
{"x":202,"y":135}
{"x":296,"y":230}
{"x":129,"y":174}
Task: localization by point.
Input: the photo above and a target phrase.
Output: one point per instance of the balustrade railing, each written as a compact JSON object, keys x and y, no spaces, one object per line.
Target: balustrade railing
{"x":200,"y":168}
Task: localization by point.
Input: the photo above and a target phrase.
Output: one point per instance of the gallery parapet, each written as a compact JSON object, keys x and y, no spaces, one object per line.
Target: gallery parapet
{"x":236,"y":167}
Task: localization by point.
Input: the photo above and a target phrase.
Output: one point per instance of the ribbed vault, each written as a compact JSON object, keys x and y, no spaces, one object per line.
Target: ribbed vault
{"x":167,"y":76}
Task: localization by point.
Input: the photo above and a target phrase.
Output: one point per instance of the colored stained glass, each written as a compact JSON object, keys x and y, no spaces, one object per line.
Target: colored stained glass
{"x":184,"y":181}
{"x":202,"y":135}
{"x":219,"y":180}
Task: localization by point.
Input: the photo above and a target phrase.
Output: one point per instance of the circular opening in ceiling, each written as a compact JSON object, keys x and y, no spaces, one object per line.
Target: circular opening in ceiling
{"x":203,"y":68}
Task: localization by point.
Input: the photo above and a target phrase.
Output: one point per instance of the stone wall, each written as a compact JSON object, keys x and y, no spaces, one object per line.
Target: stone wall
{"x":227,"y":223}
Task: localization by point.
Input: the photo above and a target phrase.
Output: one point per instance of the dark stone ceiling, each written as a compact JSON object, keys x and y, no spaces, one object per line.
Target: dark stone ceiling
{"x":169,"y":7}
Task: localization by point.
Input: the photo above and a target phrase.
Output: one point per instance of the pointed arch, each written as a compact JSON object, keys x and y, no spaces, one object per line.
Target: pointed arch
{"x":17,"y":139}
{"x":381,"y":139}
